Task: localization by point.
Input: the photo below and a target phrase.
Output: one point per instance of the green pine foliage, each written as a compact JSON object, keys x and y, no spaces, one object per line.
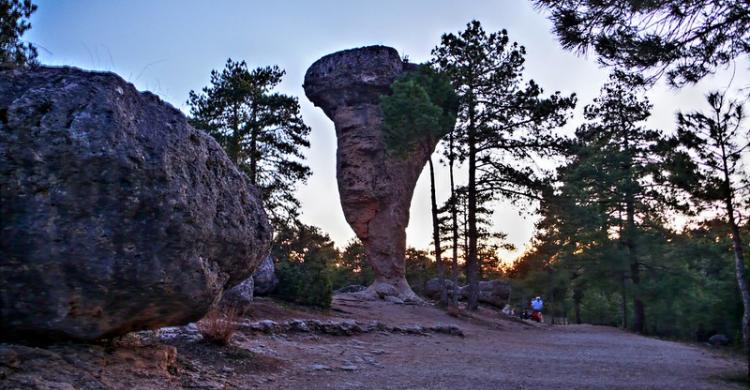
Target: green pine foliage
{"x":352,"y":267}
{"x":504,"y":123}
{"x":419,"y":269}
{"x":686,"y":40}
{"x":304,"y":257}
{"x":14,"y":22}
{"x":262,"y":132}
{"x":421,"y":108}
{"x":605,"y":241}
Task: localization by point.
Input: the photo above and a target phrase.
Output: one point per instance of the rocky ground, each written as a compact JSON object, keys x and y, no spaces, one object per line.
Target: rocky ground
{"x":359,"y":344}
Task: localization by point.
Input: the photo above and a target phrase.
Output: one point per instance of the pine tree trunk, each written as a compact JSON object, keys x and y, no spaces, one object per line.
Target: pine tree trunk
{"x":577,"y":297}
{"x":739,"y":262}
{"x":639,"y":314}
{"x":639,"y":320}
{"x":739,"y":259}
{"x":233,"y":147}
{"x":454,"y":226}
{"x":471,"y":258}
{"x":436,"y":238}
{"x":254,"y":148}
{"x":624,"y":302}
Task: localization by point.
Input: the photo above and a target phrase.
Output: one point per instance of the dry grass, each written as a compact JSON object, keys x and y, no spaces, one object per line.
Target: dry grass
{"x":219,"y":325}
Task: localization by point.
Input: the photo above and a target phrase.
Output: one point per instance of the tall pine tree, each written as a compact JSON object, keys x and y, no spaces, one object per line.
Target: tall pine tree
{"x":687,"y":40}
{"x":502,"y":121}
{"x":628,"y":158}
{"x":262,"y":131}
{"x":422,"y":106}
{"x":708,"y":162}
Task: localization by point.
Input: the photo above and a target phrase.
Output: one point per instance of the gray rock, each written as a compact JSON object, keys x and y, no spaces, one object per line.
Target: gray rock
{"x":188,"y":332}
{"x":491,"y":292}
{"x":375,"y":187}
{"x":432,"y":288}
{"x":394,"y":299}
{"x":349,"y":367}
{"x":267,"y":325}
{"x":239,"y":297}
{"x":718,"y":340}
{"x":383,"y":290}
{"x":447,"y":329}
{"x":352,"y":288}
{"x":265,"y":278}
{"x":299,"y":326}
{"x":116,"y":214}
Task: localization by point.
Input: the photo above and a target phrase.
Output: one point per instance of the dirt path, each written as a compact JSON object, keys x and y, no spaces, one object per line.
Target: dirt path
{"x":496,"y":353}
{"x":574,"y":358}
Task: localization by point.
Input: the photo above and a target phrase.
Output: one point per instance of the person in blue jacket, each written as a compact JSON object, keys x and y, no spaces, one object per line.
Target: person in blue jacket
{"x":536,"y":306}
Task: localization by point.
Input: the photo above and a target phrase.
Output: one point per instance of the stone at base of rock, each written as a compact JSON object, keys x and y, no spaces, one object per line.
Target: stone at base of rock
{"x":239,"y":297}
{"x":352,"y":288}
{"x":389,"y":288}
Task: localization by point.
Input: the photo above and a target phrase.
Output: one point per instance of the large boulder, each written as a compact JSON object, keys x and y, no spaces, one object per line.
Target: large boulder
{"x":265,"y":279}
{"x":432,"y":288}
{"x":375,"y":187}
{"x":116,"y":214}
{"x":492,"y":292}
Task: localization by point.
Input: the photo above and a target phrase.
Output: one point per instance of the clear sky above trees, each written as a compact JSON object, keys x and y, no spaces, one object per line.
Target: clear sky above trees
{"x":169,"y":47}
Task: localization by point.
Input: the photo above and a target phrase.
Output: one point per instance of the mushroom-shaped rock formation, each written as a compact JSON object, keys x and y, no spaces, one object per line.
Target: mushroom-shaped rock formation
{"x":375,"y":187}
{"x":116,"y":215}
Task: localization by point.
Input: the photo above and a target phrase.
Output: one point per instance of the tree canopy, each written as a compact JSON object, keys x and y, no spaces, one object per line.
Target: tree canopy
{"x":503,"y":122}
{"x":687,"y":40}
{"x":262,"y":131}
{"x":14,"y":22}
{"x":422,"y":106}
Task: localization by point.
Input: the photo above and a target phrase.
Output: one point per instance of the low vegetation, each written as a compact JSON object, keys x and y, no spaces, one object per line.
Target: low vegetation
{"x":218,"y":325}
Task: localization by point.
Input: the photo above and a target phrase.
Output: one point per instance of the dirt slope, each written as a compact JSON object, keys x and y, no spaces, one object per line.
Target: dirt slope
{"x":495,"y":353}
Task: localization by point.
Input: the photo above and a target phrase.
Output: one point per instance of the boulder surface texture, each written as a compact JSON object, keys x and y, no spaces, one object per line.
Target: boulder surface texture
{"x":375,"y":187}
{"x":116,"y":214}
{"x":265,"y":279}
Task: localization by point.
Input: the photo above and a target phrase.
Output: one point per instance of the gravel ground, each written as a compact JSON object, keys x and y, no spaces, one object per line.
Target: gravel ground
{"x":496,"y":353}
{"x":500,"y":353}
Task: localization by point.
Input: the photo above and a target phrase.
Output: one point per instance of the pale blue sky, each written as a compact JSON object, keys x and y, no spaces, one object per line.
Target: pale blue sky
{"x":170,"y":47}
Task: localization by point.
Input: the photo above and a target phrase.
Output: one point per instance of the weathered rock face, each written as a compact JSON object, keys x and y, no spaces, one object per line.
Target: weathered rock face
{"x":265,"y":278}
{"x":375,"y":188}
{"x":116,"y":214}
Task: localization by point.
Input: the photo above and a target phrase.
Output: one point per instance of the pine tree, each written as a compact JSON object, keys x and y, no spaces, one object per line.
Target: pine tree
{"x":354,"y":266}
{"x":489,"y":240}
{"x":304,"y":256}
{"x":14,"y":15}
{"x":627,"y":155}
{"x":501,"y":121}
{"x":262,"y":132}
{"x":687,"y":40}
{"x":422,"y":106}
{"x":708,"y":164}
